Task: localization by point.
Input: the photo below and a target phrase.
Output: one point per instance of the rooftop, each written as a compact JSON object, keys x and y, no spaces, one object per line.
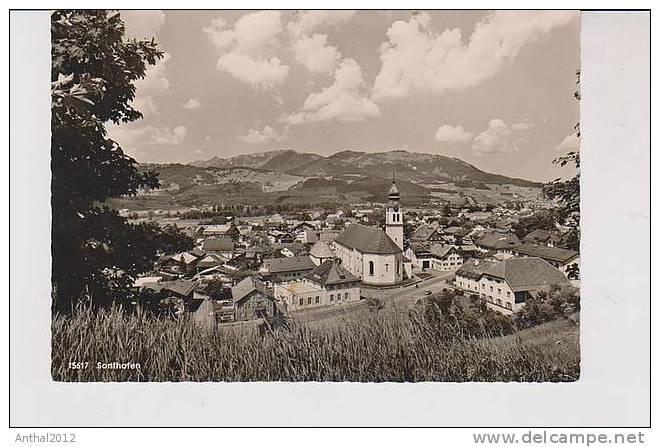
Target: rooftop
{"x":331,"y":272}
{"x":474,"y":268}
{"x":299,"y":287}
{"x":539,"y":235}
{"x":524,"y":274}
{"x":497,"y":240}
{"x":552,"y":253}
{"x":321,"y":250}
{"x":294,"y":263}
{"x":440,"y":250}
{"x":246,"y":287}
{"x":180,"y":286}
{"x":218,"y":244}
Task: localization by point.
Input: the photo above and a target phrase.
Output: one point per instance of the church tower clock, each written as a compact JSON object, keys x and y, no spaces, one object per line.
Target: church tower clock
{"x":394,"y":215}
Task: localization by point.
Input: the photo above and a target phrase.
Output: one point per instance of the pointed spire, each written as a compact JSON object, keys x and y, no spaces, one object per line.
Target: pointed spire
{"x":393,"y":193}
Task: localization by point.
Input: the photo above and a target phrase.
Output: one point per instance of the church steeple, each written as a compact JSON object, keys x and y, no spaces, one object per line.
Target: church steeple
{"x":393,"y":194}
{"x":394,"y":215}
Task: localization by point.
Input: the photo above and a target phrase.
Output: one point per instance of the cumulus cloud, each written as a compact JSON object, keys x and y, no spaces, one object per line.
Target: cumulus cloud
{"x":142,"y":24}
{"x":452,"y":134}
{"x":154,"y":85}
{"x":343,"y":101}
{"x":312,"y":50}
{"x":309,"y":21}
{"x":495,"y":139}
{"x":192,"y":104}
{"x":314,"y":53}
{"x":523,"y":125}
{"x":417,"y":59}
{"x":259,"y":73}
{"x":247,"y":50}
{"x":569,"y":144}
{"x":136,"y":138}
{"x":255,"y":136}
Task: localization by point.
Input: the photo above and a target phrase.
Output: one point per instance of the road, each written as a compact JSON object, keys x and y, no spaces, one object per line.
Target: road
{"x":397,"y":299}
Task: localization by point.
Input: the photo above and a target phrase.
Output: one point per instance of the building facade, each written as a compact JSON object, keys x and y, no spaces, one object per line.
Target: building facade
{"x":506,"y":286}
{"x":328,"y":284}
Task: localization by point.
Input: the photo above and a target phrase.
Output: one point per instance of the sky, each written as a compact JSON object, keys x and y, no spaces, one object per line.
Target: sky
{"x":493,"y":88}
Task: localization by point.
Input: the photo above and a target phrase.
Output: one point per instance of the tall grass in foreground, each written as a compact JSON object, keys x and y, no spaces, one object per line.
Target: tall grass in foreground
{"x":369,"y":347}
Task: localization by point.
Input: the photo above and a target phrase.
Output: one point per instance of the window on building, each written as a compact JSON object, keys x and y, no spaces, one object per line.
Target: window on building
{"x":300,"y":302}
{"x":387,"y":268}
{"x":346,"y":296}
{"x":318,"y":300}
{"x":499,"y":302}
{"x":332,"y":297}
{"x":508,"y":305}
{"x":491,"y":288}
{"x":309,"y":300}
{"x":499,"y":291}
{"x":508,"y":294}
{"x":371,"y":268}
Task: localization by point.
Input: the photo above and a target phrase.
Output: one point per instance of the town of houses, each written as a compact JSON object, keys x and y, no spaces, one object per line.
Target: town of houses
{"x":263,"y":266}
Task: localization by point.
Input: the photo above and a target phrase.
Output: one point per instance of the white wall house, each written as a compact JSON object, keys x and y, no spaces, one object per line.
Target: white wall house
{"x":506,"y":286}
{"x":328,"y":284}
{"x":567,"y":261}
{"x":445,"y":257}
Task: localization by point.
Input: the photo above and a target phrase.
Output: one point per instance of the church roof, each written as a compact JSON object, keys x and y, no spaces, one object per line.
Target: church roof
{"x":330,"y":272}
{"x":367,"y":240}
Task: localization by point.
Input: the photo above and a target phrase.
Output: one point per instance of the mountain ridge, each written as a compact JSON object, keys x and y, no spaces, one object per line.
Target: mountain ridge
{"x":417,"y":167}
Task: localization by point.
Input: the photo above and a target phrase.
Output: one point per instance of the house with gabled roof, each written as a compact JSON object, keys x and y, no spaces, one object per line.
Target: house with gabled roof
{"x":426,"y":233}
{"x":445,"y":257}
{"x":222,"y":245}
{"x":506,"y":286}
{"x":567,"y":261}
{"x":228,"y":229}
{"x":544,"y":237}
{"x":468,"y":276}
{"x":274,"y":270}
{"x":498,"y":242}
{"x":253,"y":299}
{"x":328,"y":284}
{"x":434,"y":256}
{"x":320,"y":252}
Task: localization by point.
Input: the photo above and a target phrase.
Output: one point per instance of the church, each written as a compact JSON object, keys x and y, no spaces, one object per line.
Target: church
{"x":373,"y":255}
